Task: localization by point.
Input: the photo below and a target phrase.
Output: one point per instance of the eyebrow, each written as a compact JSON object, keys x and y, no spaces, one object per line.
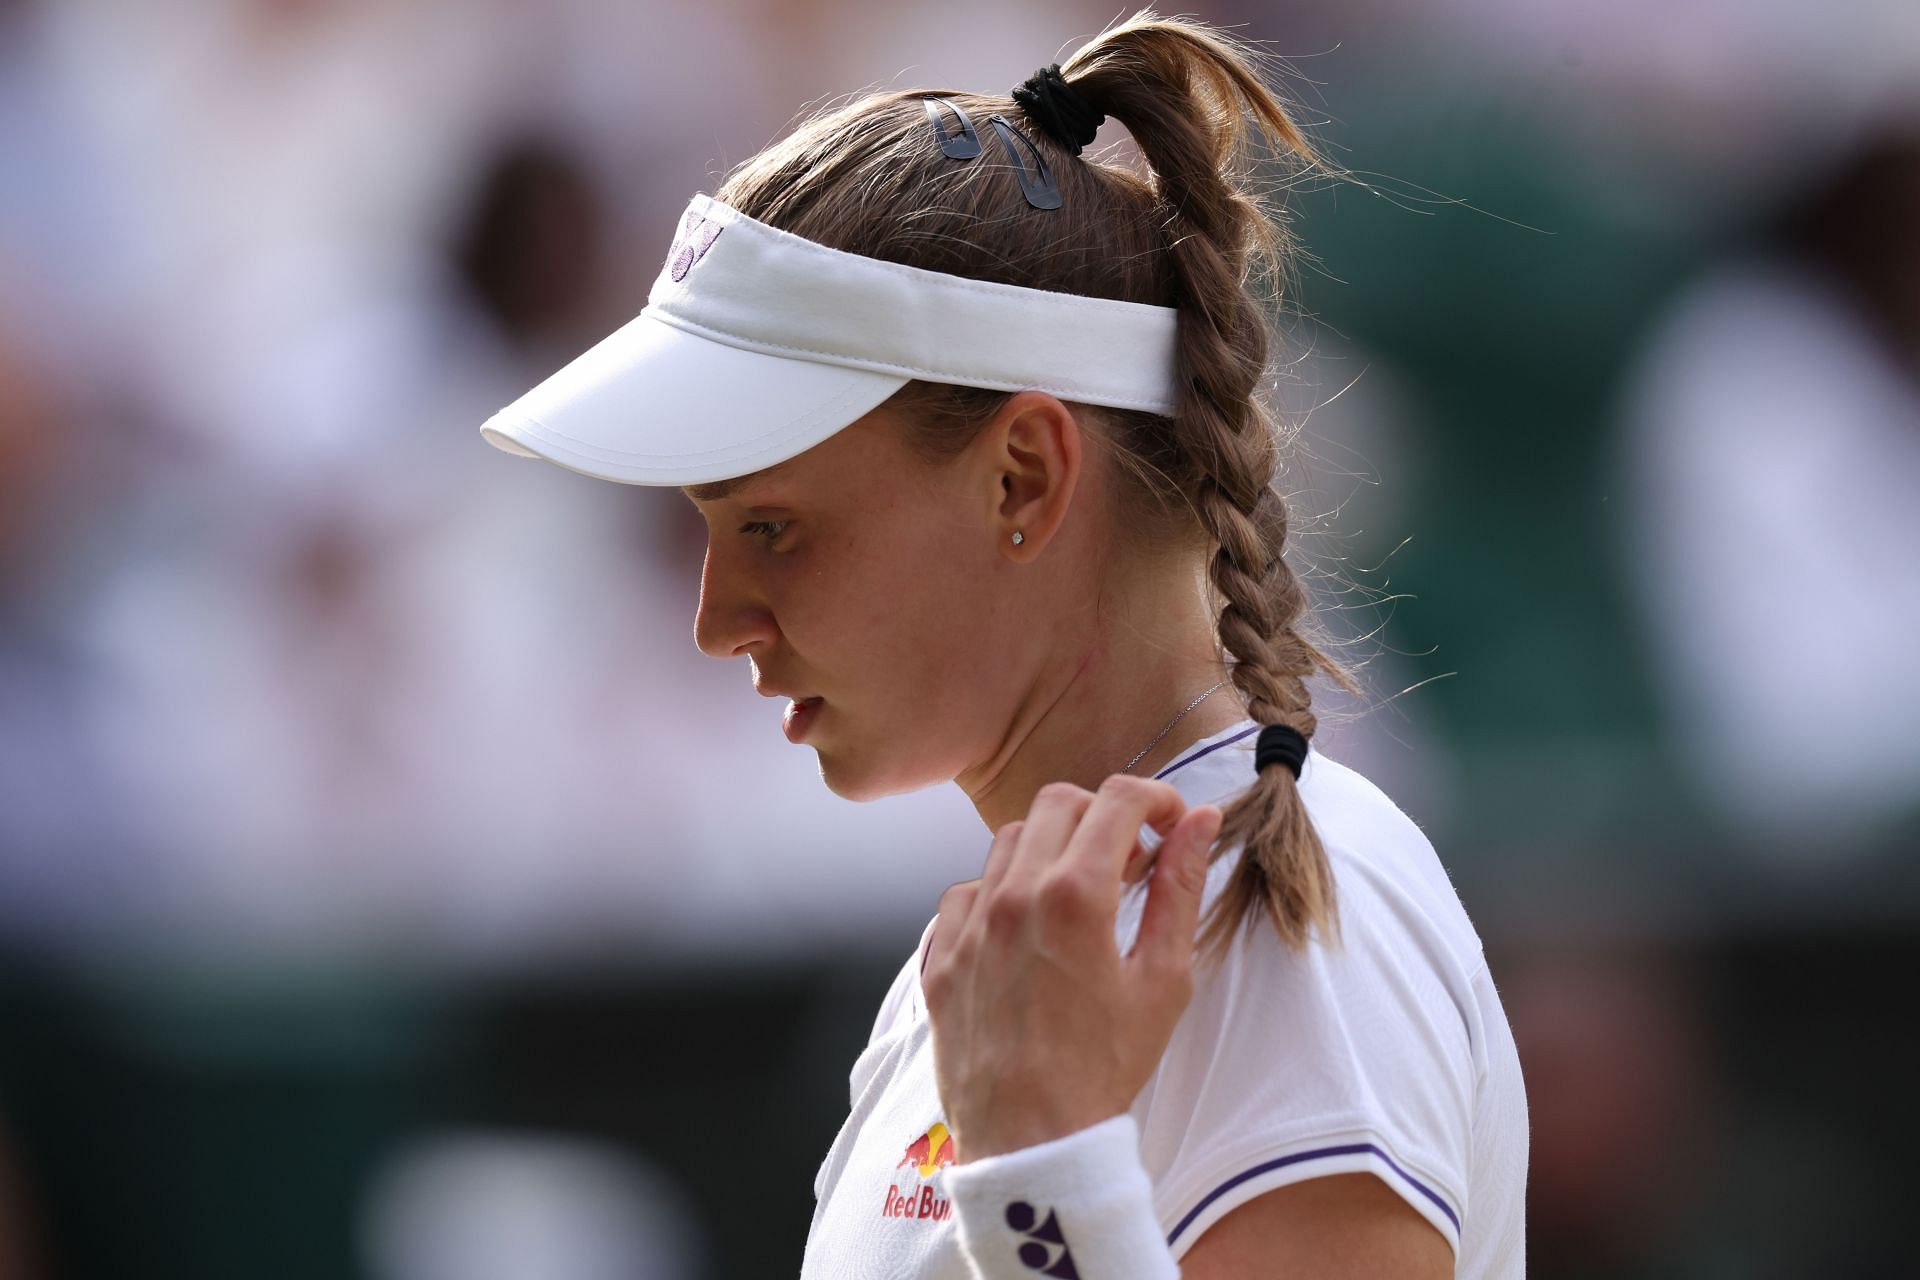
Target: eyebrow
{"x":718,"y":489}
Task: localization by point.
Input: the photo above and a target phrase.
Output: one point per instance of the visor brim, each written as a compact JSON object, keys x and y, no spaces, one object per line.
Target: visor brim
{"x":653,"y":404}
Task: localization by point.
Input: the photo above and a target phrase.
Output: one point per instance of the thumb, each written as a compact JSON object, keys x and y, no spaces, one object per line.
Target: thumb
{"x":1178,"y":882}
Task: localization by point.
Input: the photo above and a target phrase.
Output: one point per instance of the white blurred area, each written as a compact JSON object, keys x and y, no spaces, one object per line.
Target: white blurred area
{"x":499,"y":1205}
{"x":1773,"y":457}
{"x":291,"y":663}
{"x":320,"y":673}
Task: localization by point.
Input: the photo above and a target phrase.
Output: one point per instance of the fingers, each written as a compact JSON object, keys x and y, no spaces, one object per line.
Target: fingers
{"x":1146,"y":847}
{"x":1050,"y":823}
{"x":1001,"y":854}
{"x":1107,"y":837}
{"x":955,"y":905}
{"x":1167,"y":922}
{"x":1066,"y":862}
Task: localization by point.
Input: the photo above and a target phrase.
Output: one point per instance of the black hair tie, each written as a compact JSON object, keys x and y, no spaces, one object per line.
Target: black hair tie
{"x":1280,"y":744}
{"x":1061,"y":113}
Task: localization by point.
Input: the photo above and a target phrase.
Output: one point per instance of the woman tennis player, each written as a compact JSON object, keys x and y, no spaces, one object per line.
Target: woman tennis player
{"x":972,"y":420}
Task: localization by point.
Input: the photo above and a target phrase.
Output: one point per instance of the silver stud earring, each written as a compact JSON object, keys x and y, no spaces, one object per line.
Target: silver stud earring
{"x":1018,"y":537}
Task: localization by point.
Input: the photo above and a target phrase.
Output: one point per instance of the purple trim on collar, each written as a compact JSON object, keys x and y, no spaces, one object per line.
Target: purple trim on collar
{"x":1224,"y":742}
{"x":1323,"y":1153}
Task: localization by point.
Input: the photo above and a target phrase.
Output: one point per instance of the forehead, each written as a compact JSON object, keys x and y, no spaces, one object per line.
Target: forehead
{"x":870,"y":450}
{"x":851,"y":463}
{"x":719,"y":489}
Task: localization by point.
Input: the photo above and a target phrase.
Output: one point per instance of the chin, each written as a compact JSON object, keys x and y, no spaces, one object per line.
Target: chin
{"x":863,"y":780}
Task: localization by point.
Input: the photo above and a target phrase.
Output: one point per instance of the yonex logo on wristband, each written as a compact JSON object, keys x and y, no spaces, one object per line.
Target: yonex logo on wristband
{"x":1037,"y":1253}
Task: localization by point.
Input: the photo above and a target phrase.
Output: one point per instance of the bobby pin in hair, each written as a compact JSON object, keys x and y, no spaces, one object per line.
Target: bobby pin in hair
{"x":964,"y":145}
{"x":1038,"y":186}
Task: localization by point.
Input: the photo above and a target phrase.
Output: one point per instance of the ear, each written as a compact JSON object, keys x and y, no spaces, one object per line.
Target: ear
{"x":1034,"y":455}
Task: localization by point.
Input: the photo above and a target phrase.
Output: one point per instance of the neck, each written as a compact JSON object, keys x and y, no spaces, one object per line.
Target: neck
{"x":1091,"y":712}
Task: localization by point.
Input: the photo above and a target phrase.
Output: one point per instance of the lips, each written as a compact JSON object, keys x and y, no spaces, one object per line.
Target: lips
{"x":800,"y":716}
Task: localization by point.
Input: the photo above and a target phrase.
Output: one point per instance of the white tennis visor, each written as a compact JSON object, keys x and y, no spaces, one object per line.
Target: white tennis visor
{"x":755,"y":345}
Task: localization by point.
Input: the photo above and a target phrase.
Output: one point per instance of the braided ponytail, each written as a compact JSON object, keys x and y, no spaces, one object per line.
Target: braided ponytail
{"x":1188,"y":95}
{"x":868,"y":178}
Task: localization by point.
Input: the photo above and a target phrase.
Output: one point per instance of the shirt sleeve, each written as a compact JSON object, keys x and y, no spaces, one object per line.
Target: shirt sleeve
{"x":1293,"y":1065}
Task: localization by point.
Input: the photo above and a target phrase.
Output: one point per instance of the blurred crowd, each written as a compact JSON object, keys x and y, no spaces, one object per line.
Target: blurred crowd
{"x":293,"y":662}
{"x":1607,"y":355}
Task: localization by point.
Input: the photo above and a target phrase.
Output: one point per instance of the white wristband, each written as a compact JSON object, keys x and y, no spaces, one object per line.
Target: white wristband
{"x":1076,"y":1208}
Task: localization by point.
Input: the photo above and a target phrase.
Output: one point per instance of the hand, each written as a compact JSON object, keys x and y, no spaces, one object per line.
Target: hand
{"x":1040,"y":1026}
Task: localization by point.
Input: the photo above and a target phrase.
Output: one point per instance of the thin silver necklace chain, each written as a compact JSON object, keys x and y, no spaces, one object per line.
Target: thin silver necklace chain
{"x":1169,"y":729}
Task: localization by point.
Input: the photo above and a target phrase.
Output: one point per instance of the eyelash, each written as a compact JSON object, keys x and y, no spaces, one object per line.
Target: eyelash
{"x":767,"y":529}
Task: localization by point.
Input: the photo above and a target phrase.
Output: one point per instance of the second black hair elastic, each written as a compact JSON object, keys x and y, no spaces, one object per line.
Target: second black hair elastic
{"x":1280,"y":744}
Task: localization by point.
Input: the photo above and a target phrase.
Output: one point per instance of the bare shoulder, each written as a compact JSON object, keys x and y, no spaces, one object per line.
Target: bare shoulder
{"x":1348,"y":1226}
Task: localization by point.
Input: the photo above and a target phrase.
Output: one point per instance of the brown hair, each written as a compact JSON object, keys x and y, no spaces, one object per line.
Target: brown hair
{"x":1195,"y":233}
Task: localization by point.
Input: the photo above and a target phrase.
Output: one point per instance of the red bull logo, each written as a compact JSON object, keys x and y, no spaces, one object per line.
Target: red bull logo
{"x":924,"y":1155}
{"x":929,"y":1151}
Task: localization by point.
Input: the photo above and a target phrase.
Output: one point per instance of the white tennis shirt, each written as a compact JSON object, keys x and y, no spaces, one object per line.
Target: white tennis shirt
{"x":1388,"y":1055}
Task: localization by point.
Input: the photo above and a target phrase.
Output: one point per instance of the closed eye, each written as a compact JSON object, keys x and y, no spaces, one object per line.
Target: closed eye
{"x":767,"y":529}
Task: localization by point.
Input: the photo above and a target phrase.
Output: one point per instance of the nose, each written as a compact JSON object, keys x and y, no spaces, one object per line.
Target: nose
{"x":731,"y":619}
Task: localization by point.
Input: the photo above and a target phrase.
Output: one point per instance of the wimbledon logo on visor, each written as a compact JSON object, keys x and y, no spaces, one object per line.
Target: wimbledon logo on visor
{"x":697,"y":235}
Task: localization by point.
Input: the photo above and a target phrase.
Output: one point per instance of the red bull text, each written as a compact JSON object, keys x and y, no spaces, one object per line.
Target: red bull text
{"x":924,"y":1155}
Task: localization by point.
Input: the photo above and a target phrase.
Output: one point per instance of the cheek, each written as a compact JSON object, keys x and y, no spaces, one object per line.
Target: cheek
{"x":915,"y":614}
